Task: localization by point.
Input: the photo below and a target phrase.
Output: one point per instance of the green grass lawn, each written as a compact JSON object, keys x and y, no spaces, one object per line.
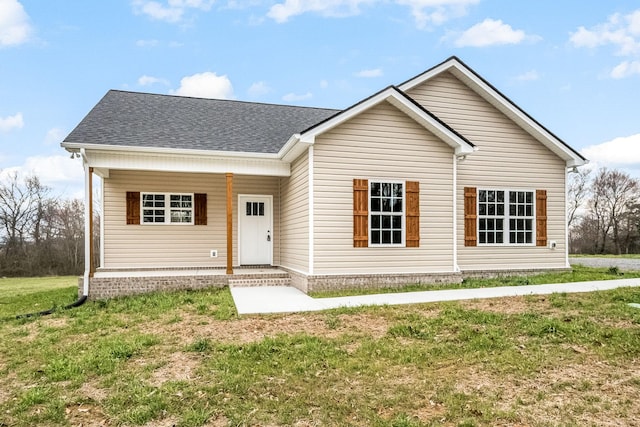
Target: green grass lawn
{"x":187,"y":359}
{"x":32,"y":294}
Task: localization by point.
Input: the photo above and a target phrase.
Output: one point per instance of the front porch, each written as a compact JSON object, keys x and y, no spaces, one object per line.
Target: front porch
{"x":111,"y":283}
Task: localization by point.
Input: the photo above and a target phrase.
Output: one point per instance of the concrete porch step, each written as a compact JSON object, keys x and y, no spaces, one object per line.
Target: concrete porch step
{"x":256,"y":280}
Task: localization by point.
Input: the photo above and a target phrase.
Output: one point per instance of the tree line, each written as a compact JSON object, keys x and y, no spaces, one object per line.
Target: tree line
{"x":603,"y":212}
{"x":39,"y":234}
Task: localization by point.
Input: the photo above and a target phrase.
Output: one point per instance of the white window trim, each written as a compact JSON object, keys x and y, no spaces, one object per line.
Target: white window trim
{"x":401,"y":214}
{"x":167,"y":208}
{"x":506,"y":229}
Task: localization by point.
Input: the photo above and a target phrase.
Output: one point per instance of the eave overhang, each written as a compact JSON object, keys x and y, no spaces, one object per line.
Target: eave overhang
{"x":105,"y":157}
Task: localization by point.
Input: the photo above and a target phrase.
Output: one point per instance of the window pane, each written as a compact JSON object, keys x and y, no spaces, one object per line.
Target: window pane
{"x":482,"y":196}
{"x":386,"y":237}
{"x":386,"y":189}
{"x":529,"y":196}
{"x":500,"y":196}
{"x":397,"y":205}
{"x":483,"y":238}
{"x":248,"y":209}
{"x":375,"y":221}
{"x":397,"y":222}
{"x":490,"y":238}
{"x":386,"y":205}
{"x":397,"y":236}
{"x":500,"y":210}
{"x":482,"y":209}
{"x":491,"y":209}
{"x":261,"y":209}
{"x":375,"y":205}
{"x":375,"y":189}
{"x":491,"y":196}
{"x":499,"y":238}
{"x":512,"y":196}
{"x":386,"y":221}
{"x":375,"y":237}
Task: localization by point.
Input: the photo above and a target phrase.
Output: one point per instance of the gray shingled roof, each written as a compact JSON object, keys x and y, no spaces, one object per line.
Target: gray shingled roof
{"x":149,"y":120}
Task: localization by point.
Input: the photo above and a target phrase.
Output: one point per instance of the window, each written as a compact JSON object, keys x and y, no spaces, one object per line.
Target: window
{"x":255,"y":209}
{"x":505,"y":217}
{"x":386,"y":211}
{"x":159,"y":208}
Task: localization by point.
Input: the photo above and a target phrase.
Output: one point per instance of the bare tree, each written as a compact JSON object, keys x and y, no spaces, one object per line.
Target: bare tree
{"x":614,"y":195}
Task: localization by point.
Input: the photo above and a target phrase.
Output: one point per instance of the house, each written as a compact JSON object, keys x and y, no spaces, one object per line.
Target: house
{"x":433,"y":180}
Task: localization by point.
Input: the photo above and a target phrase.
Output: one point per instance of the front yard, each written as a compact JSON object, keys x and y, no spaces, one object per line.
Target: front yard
{"x":187,"y":359}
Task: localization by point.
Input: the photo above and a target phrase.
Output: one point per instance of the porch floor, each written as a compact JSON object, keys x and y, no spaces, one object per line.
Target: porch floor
{"x":183,"y":272}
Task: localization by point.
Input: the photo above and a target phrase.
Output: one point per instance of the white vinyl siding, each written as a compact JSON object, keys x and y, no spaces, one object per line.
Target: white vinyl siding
{"x":381,"y":144}
{"x":507,"y":157}
{"x":294,"y":249}
{"x":174,"y":245}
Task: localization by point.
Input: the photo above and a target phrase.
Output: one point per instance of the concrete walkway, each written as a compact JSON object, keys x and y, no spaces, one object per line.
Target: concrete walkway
{"x":286,"y":299}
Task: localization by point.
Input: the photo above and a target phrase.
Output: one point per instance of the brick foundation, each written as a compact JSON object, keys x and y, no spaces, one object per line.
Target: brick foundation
{"x":368,"y":281}
{"x":111,"y":287}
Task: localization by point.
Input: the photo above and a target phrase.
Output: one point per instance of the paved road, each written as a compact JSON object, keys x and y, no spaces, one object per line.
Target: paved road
{"x":626,"y":264}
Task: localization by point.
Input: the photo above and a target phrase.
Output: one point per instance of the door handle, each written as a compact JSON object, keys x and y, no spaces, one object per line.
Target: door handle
{"x":268,"y":235}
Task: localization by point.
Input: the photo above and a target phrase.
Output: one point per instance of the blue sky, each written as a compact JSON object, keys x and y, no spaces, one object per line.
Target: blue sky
{"x":574,"y":65}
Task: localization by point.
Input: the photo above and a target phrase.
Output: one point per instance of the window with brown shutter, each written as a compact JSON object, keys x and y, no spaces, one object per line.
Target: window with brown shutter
{"x":360,"y":213}
{"x":541,"y":217}
{"x":412,"y":238}
{"x":133,"y":207}
{"x":200,"y":209}
{"x":470,"y":216}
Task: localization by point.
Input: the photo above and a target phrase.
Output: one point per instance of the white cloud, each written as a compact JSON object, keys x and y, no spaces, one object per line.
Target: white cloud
{"x":622,"y":32}
{"x":490,"y":32}
{"x":150,"y":80}
{"x":11,"y":122}
{"x":14,"y":23}
{"x":528,"y":76}
{"x":147,"y":43}
{"x":61,"y":173}
{"x":259,"y":89}
{"x":292,"y":97}
{"x":205,"y":85}
{"x":623,"y":151}
{"x":625,"y":69}
{"x":425,"y":12}
{"x":281,"y":12}
{"x":172,"y":11}
{"x":436,"y":12}
{"x":54,"y":136}
{"x":376,"y":72}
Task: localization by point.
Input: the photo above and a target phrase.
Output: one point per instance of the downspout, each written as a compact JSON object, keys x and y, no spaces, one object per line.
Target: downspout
{"x":88,"y":236}
{"x":456,"y":268}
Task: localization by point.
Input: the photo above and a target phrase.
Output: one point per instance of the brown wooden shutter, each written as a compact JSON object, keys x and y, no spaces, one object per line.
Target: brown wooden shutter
{"x":412,"y":236}
{"x":470,"y":217}
{"x":360,"y":213}
{"x":133,"y":207}
{"x":541,"y":217}
{"x":200,"y":209}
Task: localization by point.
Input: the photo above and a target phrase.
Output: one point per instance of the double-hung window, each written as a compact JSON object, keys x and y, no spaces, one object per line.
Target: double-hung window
{"x":505,"y":217}
{"x":167,"y":208}
{"x":386,"y":213}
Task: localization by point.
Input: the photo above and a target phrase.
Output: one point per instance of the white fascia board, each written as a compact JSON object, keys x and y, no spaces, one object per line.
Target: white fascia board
{"x":399,"y":101}
{"x":191,"y":163}
{"x":489,"y":94}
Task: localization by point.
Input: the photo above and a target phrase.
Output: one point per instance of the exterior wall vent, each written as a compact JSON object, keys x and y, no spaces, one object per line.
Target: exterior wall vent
{"x":214,"y":253}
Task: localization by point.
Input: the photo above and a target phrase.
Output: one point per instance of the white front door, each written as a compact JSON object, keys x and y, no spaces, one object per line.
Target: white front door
{"x":255,"y":230}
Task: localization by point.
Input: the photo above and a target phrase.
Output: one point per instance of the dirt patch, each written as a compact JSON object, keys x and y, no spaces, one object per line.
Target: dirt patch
{"x":253,"y":329}
{"x":179,"y":367}
{"x":560,"y":395}
{"x":86,"y":415}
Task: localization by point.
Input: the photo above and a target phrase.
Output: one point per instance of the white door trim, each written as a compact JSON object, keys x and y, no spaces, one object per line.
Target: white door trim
{"x":242,"y":199}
